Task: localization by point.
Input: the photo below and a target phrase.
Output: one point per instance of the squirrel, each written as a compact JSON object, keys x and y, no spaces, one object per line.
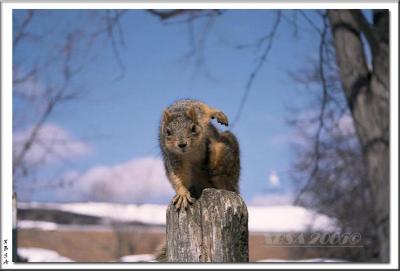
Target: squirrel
{"x":196,"y":154}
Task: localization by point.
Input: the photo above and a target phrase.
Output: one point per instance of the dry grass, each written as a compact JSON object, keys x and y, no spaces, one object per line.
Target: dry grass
{"x":110,"y":245}
{"x":92,"y":246}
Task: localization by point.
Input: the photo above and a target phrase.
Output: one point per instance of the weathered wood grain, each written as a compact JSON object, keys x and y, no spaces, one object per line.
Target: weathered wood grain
{"x":213,"y":229}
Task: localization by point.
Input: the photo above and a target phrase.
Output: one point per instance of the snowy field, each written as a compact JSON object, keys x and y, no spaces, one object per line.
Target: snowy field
{"x":138,"y":258}
{"x":33,"y":254}
{"x":261,"y":220}
{"x":284,"y":218}
{"x":45,"y":255}
{"x":314,"y":260}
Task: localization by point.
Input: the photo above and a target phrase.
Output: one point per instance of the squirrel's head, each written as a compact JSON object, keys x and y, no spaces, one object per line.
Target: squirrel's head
{"x":181,"y":132}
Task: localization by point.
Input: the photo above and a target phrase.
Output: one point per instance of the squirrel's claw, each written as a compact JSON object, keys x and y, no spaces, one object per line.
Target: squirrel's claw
{"x":175,"y":199}
{"x":179,"y":203}
{"x":182,"y":201}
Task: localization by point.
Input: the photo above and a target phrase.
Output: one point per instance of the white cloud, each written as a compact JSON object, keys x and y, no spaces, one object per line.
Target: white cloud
{"x":287,"y":138}
{"x":53,"y":143}
{"x":271,"y":199}
{"x":273,"y":179}
{"x":138,"y":180}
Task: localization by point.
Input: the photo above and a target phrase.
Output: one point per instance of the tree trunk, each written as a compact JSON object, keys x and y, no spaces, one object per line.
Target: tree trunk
{"x":213,"y":229}
{"x":367,"y":93}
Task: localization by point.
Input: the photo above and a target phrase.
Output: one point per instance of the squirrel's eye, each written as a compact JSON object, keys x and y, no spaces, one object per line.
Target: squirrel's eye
{"x":168,"y":132}
{"x":194,"y":130}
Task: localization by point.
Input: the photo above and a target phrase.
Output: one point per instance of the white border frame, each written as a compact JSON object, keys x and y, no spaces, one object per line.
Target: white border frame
{"x":6,"y":126}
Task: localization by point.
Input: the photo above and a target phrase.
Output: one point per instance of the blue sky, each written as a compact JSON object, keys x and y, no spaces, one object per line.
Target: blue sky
{"x":118,"y":119}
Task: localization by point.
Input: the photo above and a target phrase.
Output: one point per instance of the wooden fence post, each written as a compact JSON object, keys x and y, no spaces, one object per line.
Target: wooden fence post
{"x":213,"y":229}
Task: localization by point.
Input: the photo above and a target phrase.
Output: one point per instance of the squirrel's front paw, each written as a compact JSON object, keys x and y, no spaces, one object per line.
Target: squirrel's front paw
{"x":221,"y":118}
{"x":182,"y":199}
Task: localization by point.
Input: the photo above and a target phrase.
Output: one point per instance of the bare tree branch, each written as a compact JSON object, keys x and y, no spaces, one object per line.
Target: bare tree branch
{"x":268,"y":39}
{"x":309,"y":21}
{"x":112,"y":22}
{"x":53,"y":100}
{"x":23,"y":78}
{"x":167,"y":14}
{"x":324,"y":102}
{"x":21,"y":33}
{"x":54,"y":94}
{"x":293,"y":22}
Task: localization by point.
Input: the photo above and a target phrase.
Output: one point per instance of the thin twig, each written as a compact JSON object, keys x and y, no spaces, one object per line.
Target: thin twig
{"x":313,"y":25}
{"x":24,"y":25}
{"x":164,"y":15}
{"x":111,"y":22}
{"x":269,"y":38}
{"x":324,"y":102}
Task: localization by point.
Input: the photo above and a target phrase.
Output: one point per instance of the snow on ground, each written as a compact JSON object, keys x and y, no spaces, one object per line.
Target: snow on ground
{"x":45,"y":255}
{"x":150,"y":258}
{"x":316,"y":260}
{"x":33,"y":254}
{"x":42,"y":225}
{"x":283,"y":218}
{"x":287,"y":218}
{"x":138,"y":258}
{"x":50,"y":226}
{"x":146,"y":213}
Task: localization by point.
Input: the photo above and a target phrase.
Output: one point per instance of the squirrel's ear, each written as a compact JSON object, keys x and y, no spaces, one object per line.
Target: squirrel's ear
{"x":166,"y":116}
{"x":191,"y":112}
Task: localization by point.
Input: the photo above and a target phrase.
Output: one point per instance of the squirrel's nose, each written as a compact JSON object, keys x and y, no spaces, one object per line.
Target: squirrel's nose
{"x":182,"y":145}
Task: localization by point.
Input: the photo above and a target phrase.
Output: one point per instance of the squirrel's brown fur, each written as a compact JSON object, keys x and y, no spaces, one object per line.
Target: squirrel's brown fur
{"x":196,"y":154}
